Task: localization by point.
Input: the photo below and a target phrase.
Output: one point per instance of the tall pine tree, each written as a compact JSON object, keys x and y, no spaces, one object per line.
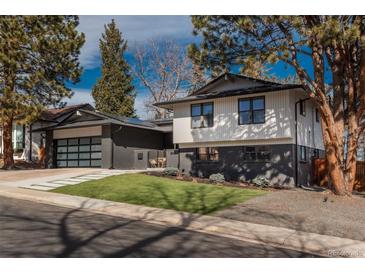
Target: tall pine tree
{"x":114,"y":92}
{"x":38,"y":55}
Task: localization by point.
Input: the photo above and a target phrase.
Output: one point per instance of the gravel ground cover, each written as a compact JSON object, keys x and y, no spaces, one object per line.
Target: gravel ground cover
{"x":317,"y":212}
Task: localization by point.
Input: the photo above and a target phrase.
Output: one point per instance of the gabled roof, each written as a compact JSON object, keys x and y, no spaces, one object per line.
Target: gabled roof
{"x":52,"y":114}
{"x":104,"y":119}
{"x":206,"y":92}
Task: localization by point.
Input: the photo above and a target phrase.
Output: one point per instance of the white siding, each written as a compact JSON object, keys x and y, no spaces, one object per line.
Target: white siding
{"x":77,"y":132}
{"x":279,"y":127}
{"x":309,"y":131}
{"x":226,"y":128}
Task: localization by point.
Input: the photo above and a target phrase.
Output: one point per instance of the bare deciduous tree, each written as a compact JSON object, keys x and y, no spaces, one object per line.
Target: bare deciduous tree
{"x":166,"y":71}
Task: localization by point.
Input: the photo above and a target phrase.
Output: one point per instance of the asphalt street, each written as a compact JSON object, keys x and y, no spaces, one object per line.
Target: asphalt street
{"x":29,"y":229}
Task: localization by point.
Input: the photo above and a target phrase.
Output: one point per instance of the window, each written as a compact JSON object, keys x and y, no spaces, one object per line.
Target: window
{"x":202,"y":115}
{"x":317,"y":115}
{"x":251,"y":111}
{"x":302,"y":153}
{"x":207,"y":154}
{"x":256,"y":153}
{"x":18,"y":137}
{"x":302,"y":107}
{"x":316,"y":153}
{"x":140,"y":156}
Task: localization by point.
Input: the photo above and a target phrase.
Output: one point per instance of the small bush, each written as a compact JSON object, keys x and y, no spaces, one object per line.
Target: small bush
{"x":217,"y":178}
{"x":261,"y":181}
{"x":170,"y":171}
{"x":242,"y":179}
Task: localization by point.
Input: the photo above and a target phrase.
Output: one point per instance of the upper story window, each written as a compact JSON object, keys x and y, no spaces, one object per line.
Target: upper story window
{"x":202,"y":115}
{"x":302,"y":107}
{"x":251,"y":111}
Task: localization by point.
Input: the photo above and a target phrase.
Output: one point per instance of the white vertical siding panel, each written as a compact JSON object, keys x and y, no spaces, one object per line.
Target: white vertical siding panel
{"x":226,"y":128}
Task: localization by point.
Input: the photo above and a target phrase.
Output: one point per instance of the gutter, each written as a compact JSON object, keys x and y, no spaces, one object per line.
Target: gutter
{"x":296,"y":138}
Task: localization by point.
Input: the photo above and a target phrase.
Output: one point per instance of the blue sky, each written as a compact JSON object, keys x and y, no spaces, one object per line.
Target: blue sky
{"x":137,"y":30}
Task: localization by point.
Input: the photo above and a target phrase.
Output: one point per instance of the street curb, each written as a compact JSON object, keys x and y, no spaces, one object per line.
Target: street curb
{"x":323,"y":245}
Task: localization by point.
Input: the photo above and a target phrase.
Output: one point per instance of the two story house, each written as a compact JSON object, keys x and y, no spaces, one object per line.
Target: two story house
{"x":244,"y":127}
{"x":235,"y":125}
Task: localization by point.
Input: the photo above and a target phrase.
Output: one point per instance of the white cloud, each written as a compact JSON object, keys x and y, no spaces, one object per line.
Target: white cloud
{"x":81,"y":96}
{"x":134,"y":29}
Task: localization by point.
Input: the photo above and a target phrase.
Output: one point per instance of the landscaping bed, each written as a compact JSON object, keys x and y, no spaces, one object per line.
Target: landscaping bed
{"x":154,"y":191}
{"x":237,"y":184}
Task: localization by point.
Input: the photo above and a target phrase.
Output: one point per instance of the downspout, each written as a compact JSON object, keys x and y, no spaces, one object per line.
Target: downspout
{"x":296,"y":138}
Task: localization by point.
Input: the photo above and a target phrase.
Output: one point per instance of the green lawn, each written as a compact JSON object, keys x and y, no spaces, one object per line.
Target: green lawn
{"x":160,"y":192}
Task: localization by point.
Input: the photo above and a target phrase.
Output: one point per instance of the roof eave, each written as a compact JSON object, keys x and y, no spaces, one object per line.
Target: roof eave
{"x":169,"y":104}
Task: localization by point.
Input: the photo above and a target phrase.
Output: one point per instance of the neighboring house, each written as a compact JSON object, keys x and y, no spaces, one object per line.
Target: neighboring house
{"x":28,"y":150}
{"x":235,"y":125}
{"x":245,"y":127}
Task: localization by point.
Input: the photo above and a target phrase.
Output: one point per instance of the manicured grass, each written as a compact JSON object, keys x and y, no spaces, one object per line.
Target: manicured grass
{"x":160,"y":192}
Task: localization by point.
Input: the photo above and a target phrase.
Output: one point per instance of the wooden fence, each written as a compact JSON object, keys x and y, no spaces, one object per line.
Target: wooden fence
{"x":320,"y":176}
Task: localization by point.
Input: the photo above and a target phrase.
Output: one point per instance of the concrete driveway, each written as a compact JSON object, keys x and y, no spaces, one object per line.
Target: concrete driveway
{"x":25,"y":178}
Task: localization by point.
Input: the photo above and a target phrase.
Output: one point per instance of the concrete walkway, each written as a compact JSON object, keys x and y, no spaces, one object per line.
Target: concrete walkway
{"x":48,"y":179}
{"x":282,"y":237}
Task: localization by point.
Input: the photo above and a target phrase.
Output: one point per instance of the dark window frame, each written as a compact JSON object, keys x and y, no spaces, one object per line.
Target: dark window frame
{"x":251,"y":110}
{"x":303,"y":157}
{"x":315,"y":153}
{"x":140,"y":156}
{"x":256,"y":151}
{"x":201,"y":115}
{"x":210,"y":156}
{"x":78,"y":152}
{"x":302,"y":108}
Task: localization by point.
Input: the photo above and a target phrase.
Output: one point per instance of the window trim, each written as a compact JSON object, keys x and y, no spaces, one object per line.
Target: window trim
{"x":305,"y":158}
{"x":208,"y":154}
{"x":201,"y":114}
{"x":251,"y":110}
{"x":302,"y":107}
{"x":257,"y":160}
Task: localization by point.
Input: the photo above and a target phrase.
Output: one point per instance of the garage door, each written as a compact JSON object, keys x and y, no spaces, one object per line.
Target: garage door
{"x":79,"y":152}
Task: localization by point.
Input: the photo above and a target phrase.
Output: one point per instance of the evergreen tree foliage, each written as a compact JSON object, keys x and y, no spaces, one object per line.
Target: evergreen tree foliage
{"x":38,"y":56}
{"x":114,"y":92}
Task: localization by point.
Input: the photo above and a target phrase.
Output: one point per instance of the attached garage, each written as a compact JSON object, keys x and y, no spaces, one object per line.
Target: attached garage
{"x":93,"y":139}
{"x":78,"y":147}
{"x":78,"y":152}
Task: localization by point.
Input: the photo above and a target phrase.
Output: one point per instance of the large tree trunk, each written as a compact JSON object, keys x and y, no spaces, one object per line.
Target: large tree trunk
{"x":335,"y":171}
{"x":8,"y":144}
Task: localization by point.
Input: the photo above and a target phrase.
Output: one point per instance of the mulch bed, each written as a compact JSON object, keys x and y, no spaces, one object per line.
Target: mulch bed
{"x":200,"y":180}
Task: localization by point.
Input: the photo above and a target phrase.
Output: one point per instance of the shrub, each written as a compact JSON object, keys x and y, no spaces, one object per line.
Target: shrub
{"x":242,"y":179}
{"x":170,"y":171}
{"x":261,"y":181}
{"x":217,"y":178}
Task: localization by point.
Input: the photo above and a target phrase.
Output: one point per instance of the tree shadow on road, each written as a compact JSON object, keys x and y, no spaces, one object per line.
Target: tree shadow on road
{"x":36,"y":230}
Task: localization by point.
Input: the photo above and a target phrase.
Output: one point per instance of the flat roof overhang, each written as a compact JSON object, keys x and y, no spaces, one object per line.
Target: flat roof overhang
{"x":222,"y":94}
